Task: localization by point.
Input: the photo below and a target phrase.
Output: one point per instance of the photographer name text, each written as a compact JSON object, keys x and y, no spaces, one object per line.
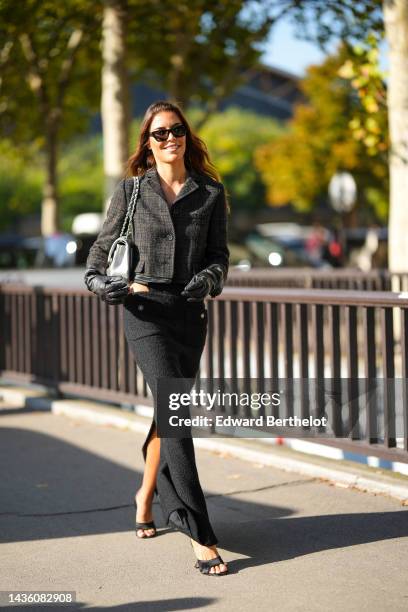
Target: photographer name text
{"x":260,"y":421}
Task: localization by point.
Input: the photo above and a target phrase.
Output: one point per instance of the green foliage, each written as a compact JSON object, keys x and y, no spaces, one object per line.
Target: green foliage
{"x":37,"y":87}
{"x":20,"y":185}
{"x":49,"y":86}
{"x":51,"y":62}
{"x":232,"y":138}
{"x":370,"y":123}
{"x":22,"y":177}
{"x":298,"y":166}
{"x":322,"y":21}
{"x":81,"y":178}
{"x":197,"y":51}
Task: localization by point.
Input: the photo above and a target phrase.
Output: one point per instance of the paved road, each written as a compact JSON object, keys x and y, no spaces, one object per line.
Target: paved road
{"x":292,"y":542}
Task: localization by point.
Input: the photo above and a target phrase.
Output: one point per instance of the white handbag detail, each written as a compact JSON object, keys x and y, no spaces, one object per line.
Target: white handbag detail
{"x":122,"y":253}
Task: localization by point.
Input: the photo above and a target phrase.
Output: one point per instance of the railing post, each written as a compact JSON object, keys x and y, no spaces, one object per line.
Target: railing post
{"x":404,"y":374}
{"x":387,"y":332}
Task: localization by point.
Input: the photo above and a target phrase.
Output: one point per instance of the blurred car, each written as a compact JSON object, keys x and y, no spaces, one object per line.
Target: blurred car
{"x":285,"y":251}
{"x":14,"y":254}
{"x":66,"y":250}
{"x":61,"y":250}
{"x":242,"y":258}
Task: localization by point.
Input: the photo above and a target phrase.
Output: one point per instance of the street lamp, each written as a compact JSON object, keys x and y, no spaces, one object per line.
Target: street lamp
{"x":343,"y":197}
{"x":342,"y":192}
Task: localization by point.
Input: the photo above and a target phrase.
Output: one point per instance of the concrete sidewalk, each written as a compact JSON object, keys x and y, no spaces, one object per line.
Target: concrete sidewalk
{"x":292,"y":541}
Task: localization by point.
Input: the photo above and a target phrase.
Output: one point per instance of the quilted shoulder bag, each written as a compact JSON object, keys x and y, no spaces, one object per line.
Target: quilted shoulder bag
{"x":122,"y":253}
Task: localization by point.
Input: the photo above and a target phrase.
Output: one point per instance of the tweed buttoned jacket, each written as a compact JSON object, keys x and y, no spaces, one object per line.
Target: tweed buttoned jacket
{"x":173,"y":242}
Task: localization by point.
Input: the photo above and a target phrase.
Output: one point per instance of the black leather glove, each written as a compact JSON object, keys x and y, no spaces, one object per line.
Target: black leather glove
{"x":111,"y":289}
{"x":219,"y":273}
{"x":208,"y":281}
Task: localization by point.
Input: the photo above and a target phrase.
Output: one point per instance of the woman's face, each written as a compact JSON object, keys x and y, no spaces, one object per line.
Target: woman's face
{"x":172,"y":149}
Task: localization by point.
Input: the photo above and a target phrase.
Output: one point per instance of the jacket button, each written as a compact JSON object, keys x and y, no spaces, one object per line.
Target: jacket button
{"x":202,"y":315}
{"x":140,"y":307}
{"x":169,"y":237}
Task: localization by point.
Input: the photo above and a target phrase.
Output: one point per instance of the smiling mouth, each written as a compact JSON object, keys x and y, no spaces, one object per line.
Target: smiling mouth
{"x":172,"y":148}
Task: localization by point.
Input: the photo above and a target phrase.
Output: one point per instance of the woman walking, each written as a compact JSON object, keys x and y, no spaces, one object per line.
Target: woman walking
{"x":180,"y":233}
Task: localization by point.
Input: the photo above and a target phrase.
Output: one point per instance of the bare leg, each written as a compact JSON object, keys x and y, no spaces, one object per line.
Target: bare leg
{"x":144,"y":496}
{"x":144,"y":499}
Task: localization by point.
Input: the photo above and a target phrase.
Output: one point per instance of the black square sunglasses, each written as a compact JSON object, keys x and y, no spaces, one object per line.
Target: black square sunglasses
{"x":162,"y":134}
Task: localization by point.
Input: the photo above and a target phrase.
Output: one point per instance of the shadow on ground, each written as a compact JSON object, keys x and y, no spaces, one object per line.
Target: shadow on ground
{"x":53,"y":489}
{"x":169,"y":605}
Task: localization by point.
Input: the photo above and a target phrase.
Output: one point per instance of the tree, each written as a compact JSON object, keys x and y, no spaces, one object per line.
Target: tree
{"x":362,"y":69}
{"x":47,"y":56}
{"x":115,"y":103}
{"x":208,"y":45}
{"x":396,"y":26}
{"x":232,"y":137}
{"x":80,"y":180}
{"x":353,"y":19}
{"x":198,"y":51}
{"x":322,"y":21}
{"x":298,"y":166}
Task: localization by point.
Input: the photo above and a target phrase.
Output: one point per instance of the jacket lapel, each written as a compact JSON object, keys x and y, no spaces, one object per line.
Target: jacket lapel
{"x":189,"y":186}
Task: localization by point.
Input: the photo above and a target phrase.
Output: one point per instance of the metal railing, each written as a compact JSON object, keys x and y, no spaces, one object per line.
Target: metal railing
{"x":310,"y":278}
{"x":72,"y":341}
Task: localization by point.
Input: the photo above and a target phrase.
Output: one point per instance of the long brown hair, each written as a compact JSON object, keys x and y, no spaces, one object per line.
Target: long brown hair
{"x":196,"y":156}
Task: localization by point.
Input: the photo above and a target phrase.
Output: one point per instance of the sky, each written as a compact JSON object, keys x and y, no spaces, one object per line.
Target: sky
{"x":283,"y":50}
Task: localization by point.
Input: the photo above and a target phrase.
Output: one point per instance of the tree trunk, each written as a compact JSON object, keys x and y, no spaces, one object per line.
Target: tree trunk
{"x":396,"y":28}
{"x":115,"y":95}
{"x":49,"y":210}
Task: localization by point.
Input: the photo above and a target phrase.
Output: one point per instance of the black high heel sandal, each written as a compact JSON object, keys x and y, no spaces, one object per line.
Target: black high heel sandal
{"x":149,"y":525}
{"x":205,"y":566}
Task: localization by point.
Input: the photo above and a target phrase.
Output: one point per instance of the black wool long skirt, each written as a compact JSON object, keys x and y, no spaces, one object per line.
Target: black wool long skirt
{"x":166,"y":335}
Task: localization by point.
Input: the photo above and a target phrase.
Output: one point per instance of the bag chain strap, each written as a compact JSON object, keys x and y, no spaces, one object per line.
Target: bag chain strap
{"x":131,"y":207}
